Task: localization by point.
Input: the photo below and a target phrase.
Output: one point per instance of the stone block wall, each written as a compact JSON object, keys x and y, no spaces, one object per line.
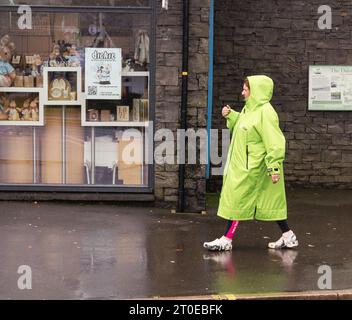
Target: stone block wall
{"x":281,"y":39}
{"x":169,"y":32}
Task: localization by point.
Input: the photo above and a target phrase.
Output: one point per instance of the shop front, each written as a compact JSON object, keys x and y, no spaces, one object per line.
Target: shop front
{"x":76,"y":95}
{"x":84,"y":88}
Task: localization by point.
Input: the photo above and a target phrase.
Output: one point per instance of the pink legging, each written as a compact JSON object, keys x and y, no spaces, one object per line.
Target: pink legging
{"x":231,"y":228}
{"x":233,"y":224}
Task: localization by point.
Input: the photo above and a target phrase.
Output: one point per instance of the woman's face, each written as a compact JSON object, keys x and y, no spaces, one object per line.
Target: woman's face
{"x":245,"y":92}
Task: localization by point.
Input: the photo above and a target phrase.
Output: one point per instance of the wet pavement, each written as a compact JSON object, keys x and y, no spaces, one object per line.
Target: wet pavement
{"x":104,"y":251}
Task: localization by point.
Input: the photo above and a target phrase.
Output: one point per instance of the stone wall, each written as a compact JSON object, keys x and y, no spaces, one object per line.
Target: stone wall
{"x":281,"y":39}
{"x":168,"y":95}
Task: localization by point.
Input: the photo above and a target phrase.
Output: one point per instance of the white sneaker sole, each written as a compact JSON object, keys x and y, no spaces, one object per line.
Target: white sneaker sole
{"x":217,"y":248}
{"x":291,"y":245}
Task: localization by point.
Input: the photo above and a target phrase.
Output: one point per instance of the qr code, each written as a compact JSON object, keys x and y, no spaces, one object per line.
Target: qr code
{"x":92,"y":90}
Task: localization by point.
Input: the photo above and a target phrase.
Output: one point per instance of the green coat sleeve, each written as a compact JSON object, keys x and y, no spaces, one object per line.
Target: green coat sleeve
{"x":273,"y":139}
{"x":231,"y":119}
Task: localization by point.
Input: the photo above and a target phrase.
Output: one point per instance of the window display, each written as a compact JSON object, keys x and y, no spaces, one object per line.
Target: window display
{"x":20,"y":108}
{"x":132,"y":109}
{"x":107,"y":3}
{"x":7,"y":71}
{"x":68,"y":135}
{"x":63,"y":85}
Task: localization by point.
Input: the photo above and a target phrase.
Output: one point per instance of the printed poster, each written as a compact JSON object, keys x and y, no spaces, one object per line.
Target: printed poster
{"x":330,"y":88}
{"x":103,"y":67}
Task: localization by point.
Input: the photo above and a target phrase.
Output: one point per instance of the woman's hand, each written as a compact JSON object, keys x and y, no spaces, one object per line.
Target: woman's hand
{"x":226,"y":110}
{"x":275,"y":178}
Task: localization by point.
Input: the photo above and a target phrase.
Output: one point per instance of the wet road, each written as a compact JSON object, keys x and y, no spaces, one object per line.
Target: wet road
{"x":86,"y":251}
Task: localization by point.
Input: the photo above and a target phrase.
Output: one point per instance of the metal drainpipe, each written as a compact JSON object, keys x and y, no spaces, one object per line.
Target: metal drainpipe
{"x":181,"y":189}
{"x":210,"y":84}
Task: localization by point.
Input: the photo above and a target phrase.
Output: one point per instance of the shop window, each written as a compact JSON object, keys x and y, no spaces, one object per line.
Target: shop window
{"x":67,"y":136}
{"x":98,"y":3}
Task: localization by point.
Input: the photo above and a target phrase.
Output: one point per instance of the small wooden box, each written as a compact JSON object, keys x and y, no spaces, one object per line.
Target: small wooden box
{"x":93,"y":115}
{"x":122,"y":113}
{"x":140,"y":110}
{"x":28,"y":81}
{"x":39,"y":81}
{"x":19,"y":81}
{"x":105,"y":115}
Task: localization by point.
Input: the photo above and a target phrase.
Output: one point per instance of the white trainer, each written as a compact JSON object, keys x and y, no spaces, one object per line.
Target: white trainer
{"x":222,"y":244}
{"x":288,"y":240}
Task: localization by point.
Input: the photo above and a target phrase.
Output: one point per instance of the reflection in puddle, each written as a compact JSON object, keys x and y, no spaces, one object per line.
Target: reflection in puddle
{"x":245,"y":271}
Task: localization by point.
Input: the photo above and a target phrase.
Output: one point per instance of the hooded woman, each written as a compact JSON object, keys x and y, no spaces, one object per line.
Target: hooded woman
{"x":253,"y":181}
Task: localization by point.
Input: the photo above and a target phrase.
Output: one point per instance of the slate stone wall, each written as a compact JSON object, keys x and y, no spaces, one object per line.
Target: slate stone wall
{"x":281,"y":39}
{"x":168,"y":95}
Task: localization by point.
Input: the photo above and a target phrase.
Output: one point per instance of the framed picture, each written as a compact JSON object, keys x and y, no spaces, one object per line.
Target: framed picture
{"x":122,"y":113}
{"x":16,"y":60}
{"x":29,"y":59}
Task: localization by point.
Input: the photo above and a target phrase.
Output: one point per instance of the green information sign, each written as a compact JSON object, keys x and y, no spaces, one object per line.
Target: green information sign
{"x":330,"y":88}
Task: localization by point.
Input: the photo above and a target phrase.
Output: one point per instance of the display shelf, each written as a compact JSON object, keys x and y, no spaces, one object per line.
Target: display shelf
{"x":21,"y":91}
{"x":86,"y":123}
{"x":135,"y":74}
{"x":66,"y":93}
{"x":115,"y":124}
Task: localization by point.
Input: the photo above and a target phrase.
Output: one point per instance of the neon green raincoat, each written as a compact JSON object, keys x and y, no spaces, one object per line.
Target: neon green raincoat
{"x":257,"y":150}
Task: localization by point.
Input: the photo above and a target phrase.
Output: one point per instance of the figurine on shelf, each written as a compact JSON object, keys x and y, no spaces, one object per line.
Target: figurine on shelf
{"x":25,"y":110}
{"x":7,"y":71}
{"x":37,"y":66}
{"x":13,"y":111}
{"x":4,"y":103}
{"x":37,"y":70}
{"x":36,"y":100}
{"x":127,"y":66}
{"x":33,"y":110}
{"x":73,"y":57}
{"x":55,"y":58}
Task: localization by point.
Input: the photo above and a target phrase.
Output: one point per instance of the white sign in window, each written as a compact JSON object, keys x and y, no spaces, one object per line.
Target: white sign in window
{"x":103,"y":67}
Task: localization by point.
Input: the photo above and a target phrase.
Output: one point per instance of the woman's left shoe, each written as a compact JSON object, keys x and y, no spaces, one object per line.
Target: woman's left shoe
{"x":222,"y":244}
{"x":288,"y":240}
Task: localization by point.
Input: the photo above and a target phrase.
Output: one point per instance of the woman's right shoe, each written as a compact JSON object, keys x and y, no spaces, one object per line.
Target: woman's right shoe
{"x":222,"y":244}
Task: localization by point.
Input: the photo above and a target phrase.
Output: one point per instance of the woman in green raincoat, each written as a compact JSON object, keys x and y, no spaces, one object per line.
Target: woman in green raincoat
{"x":253,"y":181}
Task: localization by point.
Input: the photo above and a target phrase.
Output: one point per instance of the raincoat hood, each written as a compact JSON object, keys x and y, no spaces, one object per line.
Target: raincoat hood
{"x":261,"y":91}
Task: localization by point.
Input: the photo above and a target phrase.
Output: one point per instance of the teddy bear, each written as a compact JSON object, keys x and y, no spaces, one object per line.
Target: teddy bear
{"x":7,"y":71}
